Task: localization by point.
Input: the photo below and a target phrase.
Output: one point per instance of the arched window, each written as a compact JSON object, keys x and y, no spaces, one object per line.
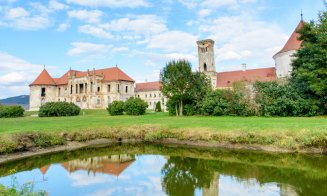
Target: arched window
{"x":205,"y":67}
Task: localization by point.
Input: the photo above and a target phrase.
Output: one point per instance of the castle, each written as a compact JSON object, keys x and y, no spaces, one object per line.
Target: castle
{"x":93,"y":89}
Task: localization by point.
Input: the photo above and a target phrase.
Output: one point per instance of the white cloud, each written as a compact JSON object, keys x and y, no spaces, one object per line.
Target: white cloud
{"x":63,"y":26}
{"x":111,"y":3}
{"x":120,"y":49}
{"x":204,"y":12}
{"x":92,"y":16}
{"x":243,"y":38}
{"x":55,"y":5}
{"x":85,"y":48}
{"x":95,"y":31}
{"x":218,"y":3}
{"x":189,"y":3}
{"x":16,"y":74}
{"x":168,"y":41}
{"x":143,"y":24}
{"x":17,"y":12}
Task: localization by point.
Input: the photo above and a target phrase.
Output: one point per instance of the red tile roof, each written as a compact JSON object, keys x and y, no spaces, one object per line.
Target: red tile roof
{"x":44,"y":79}
{"x":108,"y":167}
{"x":226,"y":79}
{"x":109,"y":74}
{"x":293,"y":42}
{"x":147,"y":86}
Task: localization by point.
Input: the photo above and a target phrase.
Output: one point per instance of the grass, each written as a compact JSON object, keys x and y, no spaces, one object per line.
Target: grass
{"x":21,"y":134}
{"x":97,"y":119}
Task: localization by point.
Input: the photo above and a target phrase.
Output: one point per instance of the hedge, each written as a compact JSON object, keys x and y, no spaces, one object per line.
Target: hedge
{"x":11,"y":111}
{"x":52,"y":109}
{"x":116,"y":108}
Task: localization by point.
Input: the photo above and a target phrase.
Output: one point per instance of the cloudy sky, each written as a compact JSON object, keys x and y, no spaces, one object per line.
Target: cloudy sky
{"x":139,"y":36}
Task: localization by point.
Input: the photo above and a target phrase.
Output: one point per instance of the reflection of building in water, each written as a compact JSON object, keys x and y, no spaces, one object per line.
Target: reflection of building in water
{"x":44,"y":169}
{"x":113,"y":164}
{"x":212,"y":190}
{"x":287,"y":190}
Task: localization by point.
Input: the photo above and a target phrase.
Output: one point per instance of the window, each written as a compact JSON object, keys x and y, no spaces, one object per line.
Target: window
{"x":85,"y":87}
{"x":154,"y":95}
{"x":81,"y":89}
{"x":126,"y":89}
{"x":150,"y":95}
{"x":138,"y":96}
{"x":59,"y":92}
{"x":91,"y":87}
{"x":42,"y":92}
{"x":159,"y":94}
{"x":98,"y":101}
{"x":146,"y":96}
{"x":118,"y":90}
{"x":205,"y":67}
{"x":71,"y":89}
{"x":76,"y":87}
{"x":109,"y":88}
{"x":98,"y":88}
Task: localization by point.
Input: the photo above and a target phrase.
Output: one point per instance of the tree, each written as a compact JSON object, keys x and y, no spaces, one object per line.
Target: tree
{"x":116,"y":108}
{"x":158,"y":107}
{"x":183,"y":88}
{"x":309,"y":74}
{"x":175,"y":81}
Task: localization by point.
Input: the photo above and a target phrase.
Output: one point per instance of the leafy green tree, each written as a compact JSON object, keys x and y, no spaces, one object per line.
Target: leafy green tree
{"x":158,"y":107}
{"x":175,"y":81}
{"x":182,"y":87}
{"x":135,"y":106}
{"x":309,"y":74}
{"x":52,"y":109}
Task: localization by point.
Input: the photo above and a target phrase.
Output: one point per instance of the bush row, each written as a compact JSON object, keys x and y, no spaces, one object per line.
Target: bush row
{"x":261,"y":99}
{"x":52,"y":109}
{"x":11,"y":111}
{"x":133,"y":106}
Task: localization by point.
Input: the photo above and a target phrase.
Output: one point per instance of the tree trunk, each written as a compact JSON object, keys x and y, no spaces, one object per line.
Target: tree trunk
{"x":176,"y":110}
{"x":181,"y":108}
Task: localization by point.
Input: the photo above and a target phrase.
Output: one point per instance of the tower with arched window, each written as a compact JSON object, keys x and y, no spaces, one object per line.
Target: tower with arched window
{"x":207,"y":59}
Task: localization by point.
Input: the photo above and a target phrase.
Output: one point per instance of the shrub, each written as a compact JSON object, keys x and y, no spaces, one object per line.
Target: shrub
{"x":135,"y":106}
{"x":116,"y":108}
{"x":11,"y":111}
{"x":158,"y":107}
{"x":276,"y":99}
{"x":52,"y":109}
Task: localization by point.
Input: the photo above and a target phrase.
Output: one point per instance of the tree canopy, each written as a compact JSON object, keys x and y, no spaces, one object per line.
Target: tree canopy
{"x":309,"y":74}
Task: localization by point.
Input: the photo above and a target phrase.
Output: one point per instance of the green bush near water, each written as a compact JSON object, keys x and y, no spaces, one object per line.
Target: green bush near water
{"x":135,"y":106}
{"x":116,"y":108}
{"x":11,"y":111}
{"x":52,"y":109}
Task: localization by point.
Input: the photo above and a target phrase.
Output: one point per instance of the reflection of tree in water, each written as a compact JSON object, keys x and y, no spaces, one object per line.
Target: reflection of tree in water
{"x":181,"y":176}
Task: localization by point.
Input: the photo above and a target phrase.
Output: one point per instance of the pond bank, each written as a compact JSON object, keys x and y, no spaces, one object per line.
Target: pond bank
{"x":21,"y":145}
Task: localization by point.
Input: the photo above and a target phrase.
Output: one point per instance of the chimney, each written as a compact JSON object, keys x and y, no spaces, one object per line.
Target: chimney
{"x":244,"y":67}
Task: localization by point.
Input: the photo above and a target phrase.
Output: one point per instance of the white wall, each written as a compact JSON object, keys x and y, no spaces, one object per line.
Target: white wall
{"x":283,"y":63}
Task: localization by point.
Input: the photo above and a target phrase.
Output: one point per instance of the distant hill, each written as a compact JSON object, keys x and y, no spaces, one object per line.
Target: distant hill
{"x":22,"y":100}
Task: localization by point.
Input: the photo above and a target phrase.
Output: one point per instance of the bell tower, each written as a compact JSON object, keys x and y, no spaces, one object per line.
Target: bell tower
{"x":206,"y":57}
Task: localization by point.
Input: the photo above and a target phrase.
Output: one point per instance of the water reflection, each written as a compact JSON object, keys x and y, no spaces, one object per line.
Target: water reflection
{"x":160,"y":170}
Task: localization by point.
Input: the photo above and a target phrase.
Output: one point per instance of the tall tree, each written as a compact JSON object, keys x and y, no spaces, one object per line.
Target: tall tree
{"x":309,"y":74}
{"x":176,"y":80}
{"x":181,"y":86}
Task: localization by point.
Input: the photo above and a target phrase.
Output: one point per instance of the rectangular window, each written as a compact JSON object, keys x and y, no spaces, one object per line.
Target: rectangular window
{"x":42,"y":92}
{"x":91,"y":87}
{"x":76,"y":86}
{"x":98,"y":88}
{"x":118,"y":90}
{"x":109,"y":88}
{"x":126,"y":89}
{"x":71,"y":89}
{"x":59,"y":92}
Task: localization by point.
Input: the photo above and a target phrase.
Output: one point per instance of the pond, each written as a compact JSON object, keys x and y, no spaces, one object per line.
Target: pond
{"x":141,"y":169}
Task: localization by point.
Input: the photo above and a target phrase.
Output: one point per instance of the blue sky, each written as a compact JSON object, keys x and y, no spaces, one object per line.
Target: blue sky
{"x":139,"y":36}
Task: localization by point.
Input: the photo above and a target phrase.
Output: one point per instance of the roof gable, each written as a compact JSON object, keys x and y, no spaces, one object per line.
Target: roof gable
{"x":43,"y":79}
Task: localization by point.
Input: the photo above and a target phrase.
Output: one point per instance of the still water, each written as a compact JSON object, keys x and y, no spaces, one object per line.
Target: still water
{"x":169,"y":170}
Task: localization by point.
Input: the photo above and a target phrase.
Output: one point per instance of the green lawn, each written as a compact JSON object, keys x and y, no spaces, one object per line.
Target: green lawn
{"x":100,"y":119}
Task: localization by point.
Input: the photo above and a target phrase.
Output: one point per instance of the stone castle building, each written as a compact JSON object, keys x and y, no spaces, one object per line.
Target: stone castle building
{"x":93,"y":89}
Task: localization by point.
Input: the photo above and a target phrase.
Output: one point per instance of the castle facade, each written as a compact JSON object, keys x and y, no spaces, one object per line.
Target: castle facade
{"x":94,"y":89}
